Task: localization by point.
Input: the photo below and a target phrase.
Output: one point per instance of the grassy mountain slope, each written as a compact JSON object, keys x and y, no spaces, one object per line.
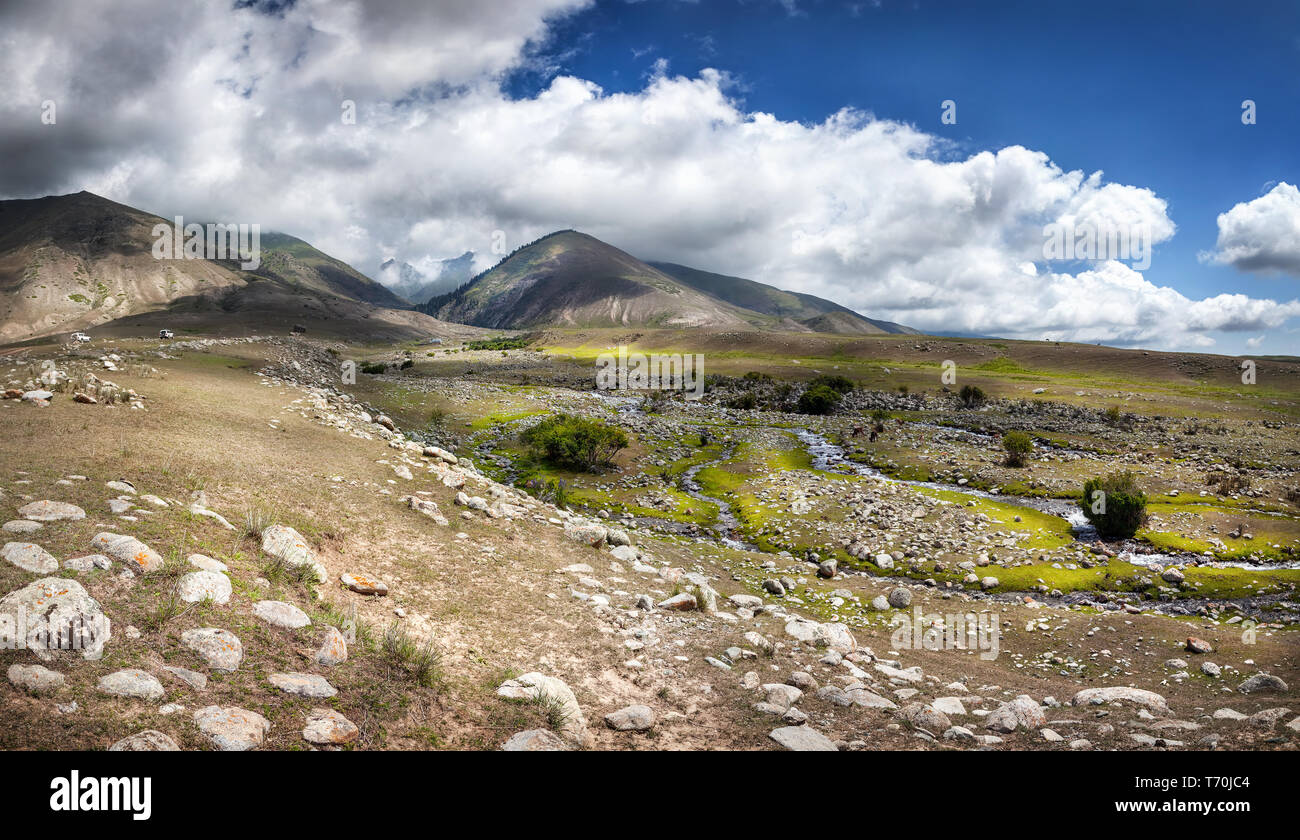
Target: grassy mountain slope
{"x":809,"y":311}
{"x":80,"y":261}
{"x":572,"y":279}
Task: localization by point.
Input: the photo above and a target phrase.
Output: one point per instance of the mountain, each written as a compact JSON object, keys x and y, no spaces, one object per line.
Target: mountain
{"x":570,"y":279}
{"x":80,"y":261}
{"x":574,"y":280}
{"x":794,"y":309}
{"x":417,"y":287}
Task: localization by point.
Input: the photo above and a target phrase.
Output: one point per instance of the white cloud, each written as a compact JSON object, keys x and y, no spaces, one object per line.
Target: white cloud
{"x":236,"y":116}
{"x":1262,"y":235}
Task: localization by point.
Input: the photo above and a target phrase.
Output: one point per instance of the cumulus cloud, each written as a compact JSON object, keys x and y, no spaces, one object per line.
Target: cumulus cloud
{"x":1262,"y":235}
{"x":236,"y":115}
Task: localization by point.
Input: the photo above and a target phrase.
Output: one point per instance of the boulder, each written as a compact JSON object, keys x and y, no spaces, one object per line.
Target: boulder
{"x":232,"y":729}
{"x":137,"y":556}
{"x":30,"y":557}
{"x":48,"y":511}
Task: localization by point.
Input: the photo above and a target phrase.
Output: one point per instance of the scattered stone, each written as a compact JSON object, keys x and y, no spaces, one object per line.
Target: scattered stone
{"x":535,"y":740}
{"x":281,"y":614}
{"x":1022,"y":712}
{"x":1262,"y":683}
{"x":538,"y":687}
{"x":303,"y":685}
{"x":150,"y":740}
{"x":137,"y":556}
{"x":1142,"y":697}
{"x":802,"y":739}
{"x":22,"y":526}
{"x":288,"y":546}
{"x":193,"y":679}
{"x":1195,"y":645}
{"x":232,"y":729}
{"x":59,"y":609}
{"x":131,"y":682}
{"x":48,"y":511}
{"x":221,"y":649}
{"x":36,"y":679}
{"x":636,"y":718}
{"x":363,"y":585}
{"x":328,"y":727}
{"x":682,"y":602}
{"x":30,"y":557}
{"x":334,"y":648}
{"x":900,"y":598}
{"x":204,"y":586}
{"x":206,"y":563}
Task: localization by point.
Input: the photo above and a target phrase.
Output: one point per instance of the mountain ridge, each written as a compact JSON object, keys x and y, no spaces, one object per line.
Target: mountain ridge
{"x":572,"y":279}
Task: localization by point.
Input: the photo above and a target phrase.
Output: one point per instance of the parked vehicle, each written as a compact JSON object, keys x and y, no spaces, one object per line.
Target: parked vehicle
{"x":166,"y":334}
{"x":80,"y":337}
{"x":298,"y":328}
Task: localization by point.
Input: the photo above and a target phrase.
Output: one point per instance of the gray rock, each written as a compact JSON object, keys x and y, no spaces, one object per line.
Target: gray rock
{"x":59,"y":612}
{"x":131,"y":682}
{"x":535,"y":740}
{"x":537,"y":687}
{"x":193,"y":679}
{"x":900,"y":598}
{"x":221,"y":649}
{"x":333,"y":649}
{"x":1022,"y":712}
{"x":921,"y":716}
{"x":48,"y":511}
{"x":281,"y":614}
{"x":150,"y":740}
{"x":129,"y":551}
{"x":802,"y":739}
{"x":204,"y":586}
{"x":303,"y":685}
{"x":329,"y":728}
{"x":22,"y":526}
{"x":1262,"y":683}
{"x":290,"y":547}
{"x":636,"y":718}
{"x":232,"y":729}
{"x":30,"y":557}
{"x":1139,"y":696}
{"x":36,"y":679}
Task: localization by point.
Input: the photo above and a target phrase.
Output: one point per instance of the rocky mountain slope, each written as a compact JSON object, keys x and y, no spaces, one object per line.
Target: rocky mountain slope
{"x":570,"y":279}
{"x":794,"y":310}
{"x":79,"y":261}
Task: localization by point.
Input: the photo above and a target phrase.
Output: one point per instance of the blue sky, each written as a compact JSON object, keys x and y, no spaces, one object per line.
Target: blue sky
{"x":1148,"y":93}
{"x":798,"y":143}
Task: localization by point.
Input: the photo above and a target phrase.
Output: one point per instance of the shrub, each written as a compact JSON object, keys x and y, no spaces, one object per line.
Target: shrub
{"x":746,"y":401}
{"x":1113,"y":415}
{"x":972,"y":396}
{"x":407,"y":365}
{"x":838,"y":384}
{"x":1018,"y":446}
{"x":574,"y":441}
{"x":819,"y":399}
{"x":1115,"y":505}
{"x":373,"y":368}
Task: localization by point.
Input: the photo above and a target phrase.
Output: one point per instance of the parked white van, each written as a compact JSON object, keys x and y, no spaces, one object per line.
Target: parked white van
{"x":166,"y":334}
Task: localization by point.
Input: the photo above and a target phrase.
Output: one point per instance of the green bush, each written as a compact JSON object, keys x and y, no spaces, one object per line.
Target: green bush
{"x":972,"y":396}
{"x":1115,"y":505}
{"x":1018,"y":446}
{"x":819,"y":399}
{"x":574,"y":441}
{"x":745,"y":401}
{"x":373,"y":367}
{"x":838,"y":384}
